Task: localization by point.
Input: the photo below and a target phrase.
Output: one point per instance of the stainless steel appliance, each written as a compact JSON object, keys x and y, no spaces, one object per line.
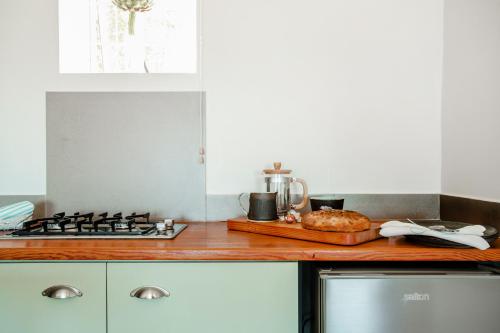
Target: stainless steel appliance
{"x":78,"y":226}
{"x":408,"y":301}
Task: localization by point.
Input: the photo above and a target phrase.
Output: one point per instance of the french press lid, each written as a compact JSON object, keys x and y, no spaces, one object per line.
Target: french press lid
{"x":277,"y":170}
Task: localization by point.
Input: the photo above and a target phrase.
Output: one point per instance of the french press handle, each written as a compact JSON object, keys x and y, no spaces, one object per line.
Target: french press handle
{"x":305,"y":194}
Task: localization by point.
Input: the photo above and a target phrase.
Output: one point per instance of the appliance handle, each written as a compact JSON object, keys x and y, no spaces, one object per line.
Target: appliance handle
{"x":62,"y":292}
{"x":305,"y":194}
{"x":149,"y":292}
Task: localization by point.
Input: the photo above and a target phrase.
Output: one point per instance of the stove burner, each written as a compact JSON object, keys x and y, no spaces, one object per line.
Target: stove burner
{"x":105,"y":226}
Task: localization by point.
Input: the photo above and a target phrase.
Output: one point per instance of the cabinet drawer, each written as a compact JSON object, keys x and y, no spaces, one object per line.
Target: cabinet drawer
{"x":204,"y":297}
{"x":24,"y":309}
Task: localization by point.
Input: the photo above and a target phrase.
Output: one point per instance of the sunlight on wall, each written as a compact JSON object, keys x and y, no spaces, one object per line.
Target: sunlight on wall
{"x":109,"y":36}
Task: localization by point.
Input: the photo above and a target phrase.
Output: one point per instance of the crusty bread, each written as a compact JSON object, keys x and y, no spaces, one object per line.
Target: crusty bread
{"x":335,"y":220}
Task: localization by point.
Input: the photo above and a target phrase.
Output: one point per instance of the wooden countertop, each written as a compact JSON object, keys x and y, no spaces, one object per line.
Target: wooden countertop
{"x":212,"y":241}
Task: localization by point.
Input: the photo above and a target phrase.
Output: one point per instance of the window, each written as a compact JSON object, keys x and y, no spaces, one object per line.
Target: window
{"x":128,"y":36}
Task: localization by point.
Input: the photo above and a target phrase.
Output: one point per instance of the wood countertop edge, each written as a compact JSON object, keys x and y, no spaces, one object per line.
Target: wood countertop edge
{"x":234,"y":254}
{"x":470,"y":255}
{"x":156,"y":255}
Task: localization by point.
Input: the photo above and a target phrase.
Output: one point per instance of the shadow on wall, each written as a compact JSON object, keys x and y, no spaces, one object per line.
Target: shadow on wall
{"x":470,"y":210}
{"x":38,"y":200}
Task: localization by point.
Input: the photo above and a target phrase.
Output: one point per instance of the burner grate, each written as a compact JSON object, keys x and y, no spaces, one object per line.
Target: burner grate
{"x":61,"y":224}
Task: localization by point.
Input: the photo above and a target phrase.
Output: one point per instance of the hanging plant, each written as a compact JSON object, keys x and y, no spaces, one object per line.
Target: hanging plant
{"x":132,"y":7}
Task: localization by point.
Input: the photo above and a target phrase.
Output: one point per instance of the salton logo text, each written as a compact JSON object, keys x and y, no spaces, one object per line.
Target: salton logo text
{"x":416,"y":297}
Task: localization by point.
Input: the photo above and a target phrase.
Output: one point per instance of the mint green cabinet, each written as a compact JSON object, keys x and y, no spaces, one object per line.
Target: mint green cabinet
{"x":204,"y":297}
{"x":222,"y":297}
{"x":23,"y":309}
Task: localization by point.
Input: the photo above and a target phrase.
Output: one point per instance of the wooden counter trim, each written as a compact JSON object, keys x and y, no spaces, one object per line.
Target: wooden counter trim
{"x":147,"y":254}
{"x":212,"y":241}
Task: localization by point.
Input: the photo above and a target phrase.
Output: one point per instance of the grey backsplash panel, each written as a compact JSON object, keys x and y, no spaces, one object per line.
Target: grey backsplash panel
{"x":126,"y":152}
{"x":375,"y":206}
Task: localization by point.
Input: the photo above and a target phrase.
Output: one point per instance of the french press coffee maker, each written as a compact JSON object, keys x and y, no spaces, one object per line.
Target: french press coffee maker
{"x":279,"y":181}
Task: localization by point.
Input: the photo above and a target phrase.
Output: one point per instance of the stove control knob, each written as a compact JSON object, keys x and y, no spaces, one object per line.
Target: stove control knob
{"x":160,"y":227}
{"x":169,"y":224}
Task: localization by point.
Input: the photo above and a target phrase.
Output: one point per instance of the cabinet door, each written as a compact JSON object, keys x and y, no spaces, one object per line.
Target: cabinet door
{"x":204,"y":297}
{"x":23,"y":308}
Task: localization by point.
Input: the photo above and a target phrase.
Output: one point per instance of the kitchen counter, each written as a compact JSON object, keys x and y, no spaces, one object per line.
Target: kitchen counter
{"x":212,"y":241}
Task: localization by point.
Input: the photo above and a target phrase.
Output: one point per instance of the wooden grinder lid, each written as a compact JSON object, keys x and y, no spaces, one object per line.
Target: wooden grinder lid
{"x":277,"y":170}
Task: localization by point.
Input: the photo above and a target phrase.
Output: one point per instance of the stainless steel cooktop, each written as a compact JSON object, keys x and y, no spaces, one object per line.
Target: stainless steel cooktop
{"x":85,"y":226}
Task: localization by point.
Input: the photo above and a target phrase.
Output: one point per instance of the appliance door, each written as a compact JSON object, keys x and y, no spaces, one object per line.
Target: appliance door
{"x":388,"y":302}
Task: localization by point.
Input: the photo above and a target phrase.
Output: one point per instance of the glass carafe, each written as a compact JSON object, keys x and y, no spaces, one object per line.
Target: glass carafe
{"x":279,"y":181}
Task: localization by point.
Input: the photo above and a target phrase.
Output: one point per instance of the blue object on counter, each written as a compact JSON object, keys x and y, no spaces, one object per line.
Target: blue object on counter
{"x":12,"y":215}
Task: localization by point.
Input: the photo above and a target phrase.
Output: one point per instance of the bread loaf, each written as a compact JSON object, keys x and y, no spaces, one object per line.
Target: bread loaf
{"x":335,"y":220}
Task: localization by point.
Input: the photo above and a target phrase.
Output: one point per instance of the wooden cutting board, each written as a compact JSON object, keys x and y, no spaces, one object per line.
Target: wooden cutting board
{"x":282,"y":229}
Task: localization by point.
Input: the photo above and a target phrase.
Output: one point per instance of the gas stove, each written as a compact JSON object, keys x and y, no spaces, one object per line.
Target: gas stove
{"x":87,"y":225}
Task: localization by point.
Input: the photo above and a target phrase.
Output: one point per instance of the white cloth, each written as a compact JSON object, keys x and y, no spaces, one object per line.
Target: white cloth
{"x":470,"y":235}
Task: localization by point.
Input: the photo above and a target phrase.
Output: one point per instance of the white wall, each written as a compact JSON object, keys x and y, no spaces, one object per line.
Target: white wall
{"x":345,"y":92}
{"x":471,"y":99}
{"x":28,"y":68}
